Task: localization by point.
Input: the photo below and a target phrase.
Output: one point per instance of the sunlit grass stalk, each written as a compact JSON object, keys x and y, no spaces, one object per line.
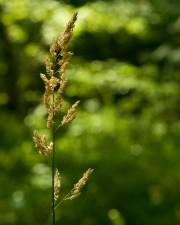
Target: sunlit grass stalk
{"x":53,"y":168}
{"x":55,"y":82}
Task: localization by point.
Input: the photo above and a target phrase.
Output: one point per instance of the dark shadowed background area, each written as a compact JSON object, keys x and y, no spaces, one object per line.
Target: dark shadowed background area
{"x":126,"y":72}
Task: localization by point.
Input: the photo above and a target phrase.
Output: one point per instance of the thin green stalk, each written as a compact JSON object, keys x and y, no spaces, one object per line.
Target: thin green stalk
{"x":53,"y":167}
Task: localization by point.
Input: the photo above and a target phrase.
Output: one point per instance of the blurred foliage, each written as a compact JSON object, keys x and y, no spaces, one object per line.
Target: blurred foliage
{"x":126,"y":73}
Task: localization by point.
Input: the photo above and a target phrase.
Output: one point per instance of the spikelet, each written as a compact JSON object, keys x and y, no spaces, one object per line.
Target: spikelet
{"x":76,"y":191}
{"x":41,"y":144}
{"x":57,"y":185}
{"x":67,"y":34}
{"x":44,"y":79}
{"x":50,"y":117}
{"x":63,"y":44}
{"x":64,"y":62}
{"x":47,"y":90}
{"x":50,"y":85}
{"x":49,"y":67}
{"x":58,"y":101}
{"x":53,"y":82}
{"x":71,"y":114}
{"x":54,"y":48}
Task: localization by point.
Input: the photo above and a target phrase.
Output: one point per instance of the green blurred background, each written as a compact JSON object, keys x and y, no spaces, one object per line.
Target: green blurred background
{"x":126,"y":72}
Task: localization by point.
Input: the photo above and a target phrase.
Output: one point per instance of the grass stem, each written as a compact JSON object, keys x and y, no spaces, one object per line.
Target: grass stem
{"x":53,"y":167}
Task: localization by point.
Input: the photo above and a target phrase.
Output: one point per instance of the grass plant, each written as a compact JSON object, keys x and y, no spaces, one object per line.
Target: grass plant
{"x":55,"y":82}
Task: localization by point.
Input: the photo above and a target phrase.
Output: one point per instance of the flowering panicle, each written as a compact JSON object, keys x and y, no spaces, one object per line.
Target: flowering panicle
{"x":41,"y":144}
{"x":55,"y":82}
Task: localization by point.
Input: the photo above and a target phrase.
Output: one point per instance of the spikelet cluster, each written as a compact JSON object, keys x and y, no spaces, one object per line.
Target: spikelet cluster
{"x":57,"y":185}
{"x":71,"y":114}
{"x":76,"y":191}
{"x":41,"y":144}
